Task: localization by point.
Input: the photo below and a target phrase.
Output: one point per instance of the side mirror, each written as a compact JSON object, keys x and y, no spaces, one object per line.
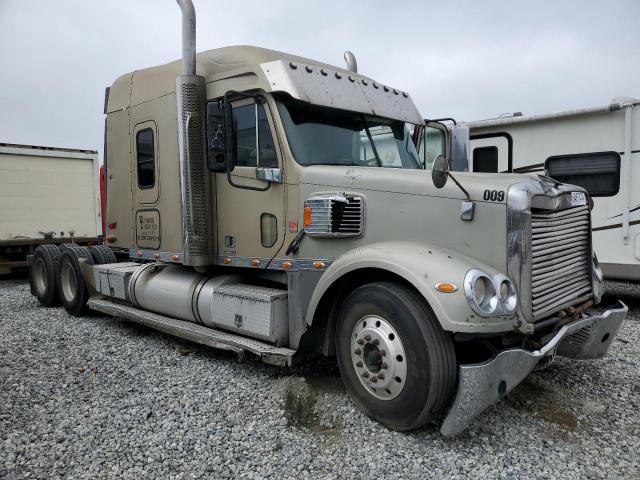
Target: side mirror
{"x":440,"y":171}
{"x":230,"y":151}
{"x":215,"y":138}
{"x":459,"y":145}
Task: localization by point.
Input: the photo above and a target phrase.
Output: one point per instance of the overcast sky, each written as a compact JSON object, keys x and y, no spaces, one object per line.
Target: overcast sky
{"x":466,"y":59}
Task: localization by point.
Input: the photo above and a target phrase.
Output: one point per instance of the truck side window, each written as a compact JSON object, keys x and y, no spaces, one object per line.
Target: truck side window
{"x":255,"y":145}
{"x":485,"y":159}
{"x":433,"y":144}
{"x":598,"y":173}
{"x":145,"y":159}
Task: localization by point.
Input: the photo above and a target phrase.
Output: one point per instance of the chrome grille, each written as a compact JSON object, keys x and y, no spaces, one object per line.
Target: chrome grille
{"x":335,"y":215}
{"x":560,"y":263}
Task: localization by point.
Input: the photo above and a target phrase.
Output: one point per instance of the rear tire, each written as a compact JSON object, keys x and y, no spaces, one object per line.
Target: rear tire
{"x":74,"y":292}
{"x":43,"y":275}
{"x":389,"y":332}
{"x":102,"y":254}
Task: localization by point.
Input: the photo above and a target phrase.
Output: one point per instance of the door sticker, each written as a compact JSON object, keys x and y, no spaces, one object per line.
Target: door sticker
{"x":148,"y":229}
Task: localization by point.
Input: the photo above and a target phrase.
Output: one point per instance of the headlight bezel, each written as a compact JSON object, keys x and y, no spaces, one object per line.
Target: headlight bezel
{"x":491,"y":305}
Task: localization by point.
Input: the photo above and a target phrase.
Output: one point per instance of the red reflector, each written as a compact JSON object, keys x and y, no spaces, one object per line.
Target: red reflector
{"x":112,"y":225}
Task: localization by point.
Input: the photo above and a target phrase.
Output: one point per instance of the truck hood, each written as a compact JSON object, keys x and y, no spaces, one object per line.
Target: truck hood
{"x":412,"y":182}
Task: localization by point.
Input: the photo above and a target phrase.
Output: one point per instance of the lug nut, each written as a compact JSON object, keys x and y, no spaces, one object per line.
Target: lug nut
{"x":373,"y":379}
{"x":381,"y":376}
{"x":365,"y":374}
{"x":367,"y":338}
{"x":384,"y":366}
{"x":360,"y":341}
{"x":376,"y":341}
{"x":359,"y":364}
{"x":383,"y":352}
{"x":357,"y":351}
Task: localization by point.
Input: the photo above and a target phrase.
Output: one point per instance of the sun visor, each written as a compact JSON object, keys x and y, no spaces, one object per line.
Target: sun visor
{"x":340,"y":89}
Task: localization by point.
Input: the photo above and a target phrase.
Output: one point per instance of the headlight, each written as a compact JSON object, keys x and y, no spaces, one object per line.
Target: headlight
{"x":490,"y":296}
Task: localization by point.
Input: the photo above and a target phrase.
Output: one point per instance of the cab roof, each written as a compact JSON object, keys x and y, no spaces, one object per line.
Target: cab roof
{"x":247,"y":68}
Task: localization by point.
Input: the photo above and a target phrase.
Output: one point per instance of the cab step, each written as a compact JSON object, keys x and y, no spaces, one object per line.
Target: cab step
{"x":270,"y":354}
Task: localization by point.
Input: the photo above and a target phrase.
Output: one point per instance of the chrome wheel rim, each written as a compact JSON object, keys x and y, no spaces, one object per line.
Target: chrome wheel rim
{"x":40,"y":276}
{"x":378,"y":357}
{"x":68,"y":281}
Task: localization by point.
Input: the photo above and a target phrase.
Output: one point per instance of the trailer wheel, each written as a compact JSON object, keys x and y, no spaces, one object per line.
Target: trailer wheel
{"x":397,"y":363}
{"x":43,"y":275}
{"x":102,"y":254}
{"x":73,"y":288}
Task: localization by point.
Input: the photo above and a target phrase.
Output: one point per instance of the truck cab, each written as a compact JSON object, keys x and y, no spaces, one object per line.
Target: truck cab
{"x":265,"y":202}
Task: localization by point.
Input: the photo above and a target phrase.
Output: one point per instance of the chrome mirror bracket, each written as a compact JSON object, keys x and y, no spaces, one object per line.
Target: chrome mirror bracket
{"x":467,"y":210}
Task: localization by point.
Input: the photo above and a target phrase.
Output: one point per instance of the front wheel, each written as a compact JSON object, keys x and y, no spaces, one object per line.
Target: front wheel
{"x":397,"y":363}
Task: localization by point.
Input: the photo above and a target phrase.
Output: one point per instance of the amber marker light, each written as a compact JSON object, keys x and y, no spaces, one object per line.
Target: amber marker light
{"x":138,"y":253}
{"x":226,"y":261}
{"x":255,"y":263}
{"x":446,"y":287}
{"x":286,"y":265}
{"x":174,"y":258}
{"x":306,"y":218}
{"x":318,"y":265}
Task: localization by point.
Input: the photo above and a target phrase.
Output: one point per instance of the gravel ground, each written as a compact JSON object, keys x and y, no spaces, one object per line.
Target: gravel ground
{"x":96,"y":397}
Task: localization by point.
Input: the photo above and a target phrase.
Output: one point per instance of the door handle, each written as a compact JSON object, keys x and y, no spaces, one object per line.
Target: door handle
{"x":273,"y":175}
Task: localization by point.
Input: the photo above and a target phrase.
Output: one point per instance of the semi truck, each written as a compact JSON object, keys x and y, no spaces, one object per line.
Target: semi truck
{"x":268,"y":203}
{"x":47,"y":195}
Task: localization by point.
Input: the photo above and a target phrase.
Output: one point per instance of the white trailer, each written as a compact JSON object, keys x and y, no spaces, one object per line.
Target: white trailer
{"x":47,"y":195}
{"x":596,"y":148}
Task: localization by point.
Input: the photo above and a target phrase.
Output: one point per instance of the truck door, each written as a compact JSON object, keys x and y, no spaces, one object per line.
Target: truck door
{"x":145,"y":188}
{"x":490,"y":153}
{"x":250,"y":211}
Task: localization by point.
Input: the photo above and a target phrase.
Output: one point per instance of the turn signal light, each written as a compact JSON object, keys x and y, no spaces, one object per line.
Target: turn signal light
{"x":307,"y":216}
{"x":446,"y":287}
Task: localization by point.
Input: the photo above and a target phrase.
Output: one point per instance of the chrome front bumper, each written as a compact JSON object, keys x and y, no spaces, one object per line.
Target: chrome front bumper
{"x":482,"y":384}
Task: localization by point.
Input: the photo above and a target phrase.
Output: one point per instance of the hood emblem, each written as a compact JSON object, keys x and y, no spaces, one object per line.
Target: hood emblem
{"x":351,"y":176}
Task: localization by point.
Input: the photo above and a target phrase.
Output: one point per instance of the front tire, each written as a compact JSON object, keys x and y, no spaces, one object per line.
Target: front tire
{"x":397,"y":363}
{"x":74,"y":292}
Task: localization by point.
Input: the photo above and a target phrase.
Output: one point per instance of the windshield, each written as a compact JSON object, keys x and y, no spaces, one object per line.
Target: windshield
{"x":330,"y":136}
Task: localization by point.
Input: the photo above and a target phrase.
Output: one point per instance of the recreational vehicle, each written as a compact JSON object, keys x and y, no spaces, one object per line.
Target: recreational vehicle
{"x":595,"y":148}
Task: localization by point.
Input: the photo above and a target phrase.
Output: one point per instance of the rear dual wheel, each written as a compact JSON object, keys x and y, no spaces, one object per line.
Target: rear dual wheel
{"x":72,"y":287}
{"x":43,"y":275}
{"x":397,"y":363}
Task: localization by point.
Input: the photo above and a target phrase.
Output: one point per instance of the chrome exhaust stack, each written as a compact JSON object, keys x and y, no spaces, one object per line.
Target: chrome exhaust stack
{"x":195,"y":182}
{"x":352,"y":64}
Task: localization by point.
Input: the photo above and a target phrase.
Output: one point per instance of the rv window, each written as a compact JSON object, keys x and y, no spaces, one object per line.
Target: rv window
{"x":485,"y":159}
{"x":598,"y":173}
{"x":145,"y":159}
{"x":253,"y":151}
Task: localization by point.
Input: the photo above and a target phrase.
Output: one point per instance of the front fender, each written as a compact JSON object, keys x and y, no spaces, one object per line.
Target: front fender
{"x":423,"y":266}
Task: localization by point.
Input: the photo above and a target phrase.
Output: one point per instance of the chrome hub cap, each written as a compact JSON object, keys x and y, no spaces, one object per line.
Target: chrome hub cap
{"x":378,"y":357}
{"x":68,"y":281}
